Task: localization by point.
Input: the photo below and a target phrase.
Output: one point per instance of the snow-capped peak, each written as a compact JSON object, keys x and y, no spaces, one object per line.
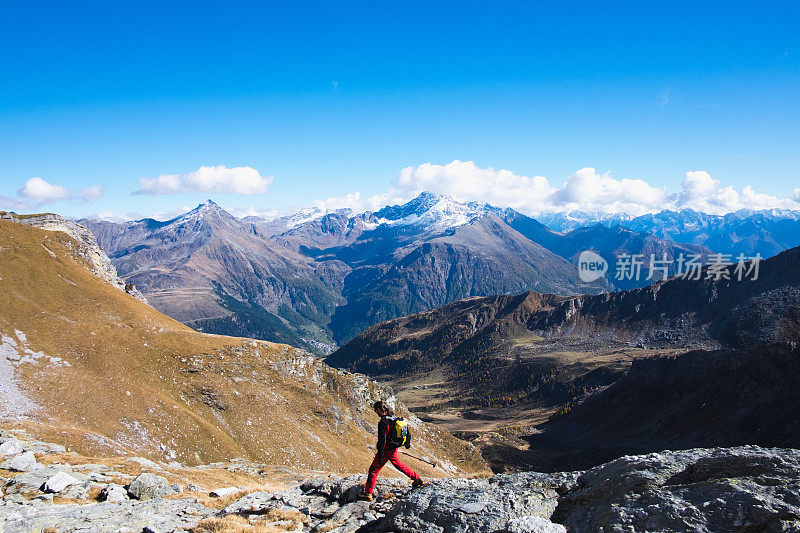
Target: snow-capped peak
{"x":435,"y":211}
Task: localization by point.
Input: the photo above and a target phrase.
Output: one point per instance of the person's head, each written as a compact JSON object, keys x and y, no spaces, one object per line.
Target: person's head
{"x":382,"y":408}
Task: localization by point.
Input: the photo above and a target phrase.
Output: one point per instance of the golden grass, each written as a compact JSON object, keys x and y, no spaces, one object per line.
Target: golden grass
{"x":238,"y":524}
{"x":141,"y":383}
{"x":221,"y":503}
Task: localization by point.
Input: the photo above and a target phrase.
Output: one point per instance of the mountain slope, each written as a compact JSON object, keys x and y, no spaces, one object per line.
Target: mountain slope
{"x":216,"y":273}
{"x":482,"y":257}
{"x":518,"y":359}
{"x":88,"y":365}
{"x":611,"y":243}
{"x":697,"y":399}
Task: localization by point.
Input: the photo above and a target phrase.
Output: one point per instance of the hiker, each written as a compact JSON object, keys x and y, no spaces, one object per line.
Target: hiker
{"x":393,"y":432}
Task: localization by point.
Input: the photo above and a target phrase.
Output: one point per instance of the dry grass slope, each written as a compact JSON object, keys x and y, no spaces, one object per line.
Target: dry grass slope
{"x":141,"y":383}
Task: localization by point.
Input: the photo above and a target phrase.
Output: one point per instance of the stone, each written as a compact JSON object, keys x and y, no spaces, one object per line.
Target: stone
{"x":79,"y":491}
{"x":23,"y":462}
{"x":132,"y":516}
{"x":14,"y":498}
{"x":147,"y":486}
{"x":533,"y":524}
{"x":745,"y":488}
{"x":224,"y":492}
{"x":58,"y":482}
{"x":191,"y":487}
{"x":114,"y":493}
{"x":11,"y":446}
{"x":176,"y":488}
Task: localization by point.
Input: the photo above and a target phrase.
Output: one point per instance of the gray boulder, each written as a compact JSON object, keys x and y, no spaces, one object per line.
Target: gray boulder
{"x":158,"y":514}
{"x":11,"y":446}
{"x":34,"y":481}
{"x":114,"y":493}
{"x":23,"y":462}
{"x":503,"y":503}
{"x":719,"y":489}
{"x":148,"y":486}
{"x":58,"y":482}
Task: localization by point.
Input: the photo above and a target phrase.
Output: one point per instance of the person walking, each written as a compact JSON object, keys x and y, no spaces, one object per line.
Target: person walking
{"x":392,"y":433}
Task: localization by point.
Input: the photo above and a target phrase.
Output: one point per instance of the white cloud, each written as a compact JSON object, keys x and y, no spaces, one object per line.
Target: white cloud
{"x":218,"y":179}
{"x":464,"y":180}
{"x":41,"y":191}
{"x":701,"y":192}
{"x":253,"y":211}
{"x":12,"y":203}
{"x":91,"y":194}
{"x":589,"y":191}
{"x":585,"y":190}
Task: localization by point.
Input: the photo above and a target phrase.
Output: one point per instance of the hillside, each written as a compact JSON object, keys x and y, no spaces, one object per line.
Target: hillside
{"x":84,"y":364}
{"x":480,"y":363}
{"x":696,"y":399}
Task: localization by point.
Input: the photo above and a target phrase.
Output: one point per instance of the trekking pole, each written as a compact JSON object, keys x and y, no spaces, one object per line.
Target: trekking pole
{"x":419,"y":459}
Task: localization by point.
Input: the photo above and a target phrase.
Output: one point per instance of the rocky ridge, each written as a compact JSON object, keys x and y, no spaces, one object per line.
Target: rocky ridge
{"x":87,"y":247}
{"x":720,"y":489}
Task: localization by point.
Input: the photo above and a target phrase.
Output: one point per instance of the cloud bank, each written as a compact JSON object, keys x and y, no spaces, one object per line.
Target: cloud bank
{"x":585,"y":190}
{"x":218,"y":179}
{"x":37,"y":192}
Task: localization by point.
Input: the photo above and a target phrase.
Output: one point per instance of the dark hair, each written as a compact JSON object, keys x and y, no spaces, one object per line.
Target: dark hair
{"x":383,"y":407}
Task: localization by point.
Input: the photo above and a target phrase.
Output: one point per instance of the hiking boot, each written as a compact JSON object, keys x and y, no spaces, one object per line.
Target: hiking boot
{"x":365,"y":497}
{"x":417,"y":483}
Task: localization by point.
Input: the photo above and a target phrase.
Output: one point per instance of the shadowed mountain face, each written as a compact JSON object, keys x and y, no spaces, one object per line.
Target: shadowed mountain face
{"x":520,"y":359}
{"x":697,"y":399}
{"x":670,"y":314}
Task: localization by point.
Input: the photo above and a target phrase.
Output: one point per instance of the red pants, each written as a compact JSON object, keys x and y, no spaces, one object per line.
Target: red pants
{"x":389,"y":454}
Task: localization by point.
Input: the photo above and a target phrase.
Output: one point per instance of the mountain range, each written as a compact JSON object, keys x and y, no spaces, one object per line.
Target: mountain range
{"x":317,"y":279}
{"x":749,"y":232}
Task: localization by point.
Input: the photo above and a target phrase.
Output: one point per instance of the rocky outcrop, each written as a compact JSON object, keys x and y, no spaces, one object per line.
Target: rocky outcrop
{"x":719,"y":490}
{"x":87,"y":248}
{"x":715,"y":490}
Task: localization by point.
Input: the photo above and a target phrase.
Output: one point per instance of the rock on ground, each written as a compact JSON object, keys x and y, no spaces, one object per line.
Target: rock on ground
{"x":718,"y":489}
{"x":148,"y":486}
{"x":22,"y":462}
{"x":715,"y":490}
{"x":157,"y":514}
{"x":59,"y":482}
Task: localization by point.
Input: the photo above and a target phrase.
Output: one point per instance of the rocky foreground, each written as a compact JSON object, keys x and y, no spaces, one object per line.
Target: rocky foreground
{"x":720,"y":489}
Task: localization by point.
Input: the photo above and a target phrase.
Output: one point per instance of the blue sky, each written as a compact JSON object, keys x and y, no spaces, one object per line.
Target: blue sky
{"x":331,"y":99}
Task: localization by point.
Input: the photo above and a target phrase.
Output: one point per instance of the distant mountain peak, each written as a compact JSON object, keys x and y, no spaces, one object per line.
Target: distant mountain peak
{"x":435,"y":211}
